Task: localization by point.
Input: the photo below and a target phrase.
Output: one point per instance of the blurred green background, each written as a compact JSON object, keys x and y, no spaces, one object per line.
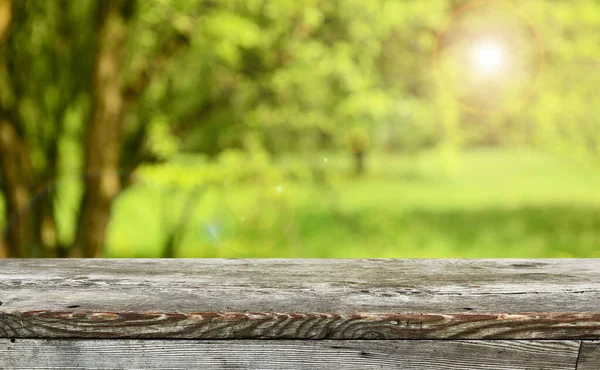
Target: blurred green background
{"x":309,"y":128}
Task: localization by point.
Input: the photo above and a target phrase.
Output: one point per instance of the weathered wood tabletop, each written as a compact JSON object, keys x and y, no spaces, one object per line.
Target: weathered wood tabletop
{"x":182,"y":314}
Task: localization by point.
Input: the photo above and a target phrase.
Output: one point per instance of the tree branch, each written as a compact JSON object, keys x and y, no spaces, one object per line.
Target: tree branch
{"x":156,"y":66}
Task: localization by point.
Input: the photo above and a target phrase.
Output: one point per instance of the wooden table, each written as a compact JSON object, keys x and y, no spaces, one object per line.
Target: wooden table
{"x":313,"y":314}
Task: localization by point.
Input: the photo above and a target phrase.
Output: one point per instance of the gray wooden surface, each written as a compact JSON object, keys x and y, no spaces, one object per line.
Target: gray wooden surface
{"x":300,"y":299}
{"x":589,"y":356}
{"x":279,"y":354}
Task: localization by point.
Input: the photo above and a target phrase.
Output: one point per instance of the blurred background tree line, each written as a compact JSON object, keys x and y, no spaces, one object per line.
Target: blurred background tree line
{"x":313,"y":128}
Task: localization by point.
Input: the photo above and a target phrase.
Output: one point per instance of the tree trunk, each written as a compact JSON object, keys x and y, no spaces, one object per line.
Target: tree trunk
{"x":359,"y":163}
{"x":30,"y":228}
{"x":15,"y":163}
{"x":6,"y":12}
{"x":103,"y":138}
{"x":16,"y":186}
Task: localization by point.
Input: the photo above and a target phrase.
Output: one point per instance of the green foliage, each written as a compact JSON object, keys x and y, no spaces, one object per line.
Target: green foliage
{"x":562,"y":108}
{"x":241,"y":113}
{"x":313,"y":69}
{"x":43,"y":81}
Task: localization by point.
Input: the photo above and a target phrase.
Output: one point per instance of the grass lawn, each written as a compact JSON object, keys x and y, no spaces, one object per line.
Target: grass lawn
{"x":493,"y":203}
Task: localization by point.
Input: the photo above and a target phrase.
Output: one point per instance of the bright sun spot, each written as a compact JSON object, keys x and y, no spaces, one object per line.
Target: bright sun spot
{"x":488,"y":57}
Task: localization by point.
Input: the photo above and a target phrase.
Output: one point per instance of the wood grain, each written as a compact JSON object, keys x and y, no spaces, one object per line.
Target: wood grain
{"x":300,"y":299}
{"x":277,"y":354}
{"x":589,"y":356}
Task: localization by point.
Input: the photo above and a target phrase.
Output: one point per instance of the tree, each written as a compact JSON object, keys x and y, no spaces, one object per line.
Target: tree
{"x":102,"y":87}
{"x":47,"y":83}
{"x":103,"y":136}
{"x":561,"y":114}
{"x":26,"y":230}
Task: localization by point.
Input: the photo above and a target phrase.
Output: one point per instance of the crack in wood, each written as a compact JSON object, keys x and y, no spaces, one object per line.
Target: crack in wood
{"x":578,"y":355}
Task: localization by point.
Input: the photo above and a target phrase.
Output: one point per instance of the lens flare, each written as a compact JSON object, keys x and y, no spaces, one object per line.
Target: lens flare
{"x":217,"y":227}
{"x":488,"y":57}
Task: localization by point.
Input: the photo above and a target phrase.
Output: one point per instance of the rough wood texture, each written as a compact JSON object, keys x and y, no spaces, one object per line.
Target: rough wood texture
{"x":300,"y":299}
{"x":253,"y":354}
{"x":589,"y":356}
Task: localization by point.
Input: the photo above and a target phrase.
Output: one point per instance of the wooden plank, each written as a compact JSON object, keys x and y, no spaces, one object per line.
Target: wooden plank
{"x":278,"y":354}
{"x":301,"y":299}
{"x":589,"y":356}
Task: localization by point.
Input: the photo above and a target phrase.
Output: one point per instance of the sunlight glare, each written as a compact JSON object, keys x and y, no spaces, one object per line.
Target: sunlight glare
{"x":488,"y":57}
